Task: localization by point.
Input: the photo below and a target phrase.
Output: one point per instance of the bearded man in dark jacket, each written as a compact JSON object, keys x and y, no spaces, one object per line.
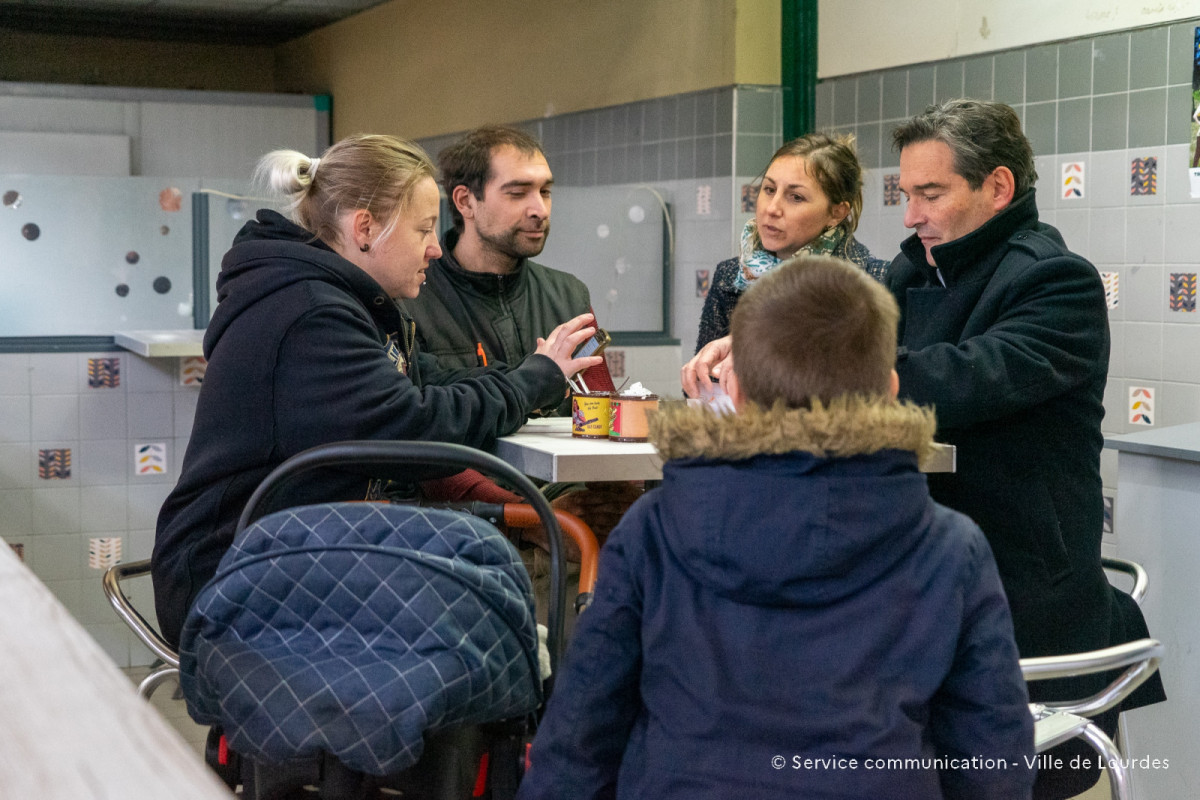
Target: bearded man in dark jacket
{"x":1005,"y":332}
{"x":484,"y":299}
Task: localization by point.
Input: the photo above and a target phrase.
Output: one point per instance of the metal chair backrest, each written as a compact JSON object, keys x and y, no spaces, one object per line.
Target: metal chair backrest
{"x":1057,"y":722}
{"x":146,"y":633}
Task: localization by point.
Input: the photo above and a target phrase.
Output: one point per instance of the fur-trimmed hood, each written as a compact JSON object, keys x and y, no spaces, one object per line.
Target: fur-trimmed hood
{"x":793,"y":506}
{"x":848,"y":426}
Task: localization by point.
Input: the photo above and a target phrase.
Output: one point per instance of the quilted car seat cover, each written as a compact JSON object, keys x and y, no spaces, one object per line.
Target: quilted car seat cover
{"x":355,"y":628}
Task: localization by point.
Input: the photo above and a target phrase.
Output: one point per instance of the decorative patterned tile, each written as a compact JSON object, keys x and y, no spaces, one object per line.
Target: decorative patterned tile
{"x":1108,"y":515}
{"x":104,"y":373}
{"x":54,"y":464}
{"x":1072,"y":180}
{"x":702,"y":279}
{"x":1112,"y":289}
{"x":104,"y":552}
{"x":1183,"y":291}
{"x":749,"y":198}
{"x":191,"y":370}
{"x":150,"y":459}
{"x":1141,"y":406}
{"x":704,"y":200}
{"x":891,"y":189}
{"x":1143,"y":176}
{"x":615,"y":359}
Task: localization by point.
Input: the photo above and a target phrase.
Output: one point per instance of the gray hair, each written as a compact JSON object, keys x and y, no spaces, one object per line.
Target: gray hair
{"x":981,"y":135}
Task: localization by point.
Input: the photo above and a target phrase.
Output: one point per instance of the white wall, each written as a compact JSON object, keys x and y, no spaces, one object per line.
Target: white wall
{"x":57,"y":129}
{"x":865,"y":35}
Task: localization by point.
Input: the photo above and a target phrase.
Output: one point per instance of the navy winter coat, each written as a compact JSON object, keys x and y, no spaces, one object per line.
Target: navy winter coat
{"x":788,"y":608}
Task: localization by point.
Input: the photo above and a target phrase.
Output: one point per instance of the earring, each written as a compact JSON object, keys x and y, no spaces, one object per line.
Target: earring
{"x":365,"y":246}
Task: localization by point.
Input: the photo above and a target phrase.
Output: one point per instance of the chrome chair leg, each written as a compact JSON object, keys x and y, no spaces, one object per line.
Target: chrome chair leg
{"x":1118,"y":777}
{"x":151,"y":682}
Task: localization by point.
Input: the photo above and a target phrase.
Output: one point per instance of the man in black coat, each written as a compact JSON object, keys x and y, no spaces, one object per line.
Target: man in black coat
{"x":1005,"y":332}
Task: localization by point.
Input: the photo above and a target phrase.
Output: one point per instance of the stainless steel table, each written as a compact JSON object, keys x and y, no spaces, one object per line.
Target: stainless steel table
{"x":545,"y":449}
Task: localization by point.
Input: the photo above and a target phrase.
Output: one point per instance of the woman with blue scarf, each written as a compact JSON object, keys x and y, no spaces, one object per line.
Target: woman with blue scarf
{"x":809,"y":202}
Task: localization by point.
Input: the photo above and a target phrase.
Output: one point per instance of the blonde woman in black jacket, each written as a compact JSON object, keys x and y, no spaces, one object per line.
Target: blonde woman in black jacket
{"x":308,"y":346}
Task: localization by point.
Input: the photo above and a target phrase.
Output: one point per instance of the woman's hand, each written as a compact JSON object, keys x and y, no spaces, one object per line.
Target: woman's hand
{"x":565,"y":340}
{"x":715,"y":360}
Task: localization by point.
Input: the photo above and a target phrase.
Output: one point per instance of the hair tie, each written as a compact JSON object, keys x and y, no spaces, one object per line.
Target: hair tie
{"x":312,"y":168}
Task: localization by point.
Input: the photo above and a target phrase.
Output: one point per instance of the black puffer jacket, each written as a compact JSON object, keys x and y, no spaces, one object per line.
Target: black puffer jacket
{"x":306,"y":348}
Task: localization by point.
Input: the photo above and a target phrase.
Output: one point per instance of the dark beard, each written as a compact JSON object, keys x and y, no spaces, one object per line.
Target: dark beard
{"x":511,"y":245}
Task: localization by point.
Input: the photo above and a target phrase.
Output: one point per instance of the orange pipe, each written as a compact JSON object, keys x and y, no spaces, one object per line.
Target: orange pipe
{"x":521,"y":515}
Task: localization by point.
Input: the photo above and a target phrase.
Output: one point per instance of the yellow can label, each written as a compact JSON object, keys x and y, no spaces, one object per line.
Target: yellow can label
{"x":590,"y":416}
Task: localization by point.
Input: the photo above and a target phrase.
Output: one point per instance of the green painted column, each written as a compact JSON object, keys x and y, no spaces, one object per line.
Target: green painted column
{"x":798,"y":71}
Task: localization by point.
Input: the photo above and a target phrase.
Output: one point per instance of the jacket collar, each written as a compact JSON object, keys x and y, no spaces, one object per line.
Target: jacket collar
{"x":848,"y":426}
{"x":484,"y":283}
{"x":957,"y":257}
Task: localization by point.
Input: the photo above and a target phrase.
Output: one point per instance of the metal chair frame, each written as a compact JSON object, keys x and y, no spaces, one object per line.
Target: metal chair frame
{"x":145,"y":632}
{"x":1057,"y":722}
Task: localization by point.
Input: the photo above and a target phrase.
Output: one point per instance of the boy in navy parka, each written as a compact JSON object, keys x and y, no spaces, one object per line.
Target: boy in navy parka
{"x":790,"y":614}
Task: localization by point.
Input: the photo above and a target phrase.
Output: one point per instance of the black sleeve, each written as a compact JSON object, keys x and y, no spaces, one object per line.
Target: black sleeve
{"x":334,"y":381}
{"x":719,"y":304}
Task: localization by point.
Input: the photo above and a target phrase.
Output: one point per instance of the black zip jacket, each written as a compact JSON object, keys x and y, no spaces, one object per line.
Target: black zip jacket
{"x":305,"y":348}
{"x":459,"y":310}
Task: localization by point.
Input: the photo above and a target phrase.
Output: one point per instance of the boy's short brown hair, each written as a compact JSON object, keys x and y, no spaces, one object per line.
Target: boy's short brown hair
{"x":814,"y":327}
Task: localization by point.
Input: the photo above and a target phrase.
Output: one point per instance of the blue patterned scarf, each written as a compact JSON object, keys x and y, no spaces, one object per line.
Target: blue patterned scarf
{"x":756,"y":262}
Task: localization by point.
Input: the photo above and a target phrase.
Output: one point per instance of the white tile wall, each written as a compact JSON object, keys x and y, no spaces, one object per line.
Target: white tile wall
{"x":45,"y":403}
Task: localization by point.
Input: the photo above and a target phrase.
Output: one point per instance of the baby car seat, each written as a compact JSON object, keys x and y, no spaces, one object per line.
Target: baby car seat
{"x":354,"y":646}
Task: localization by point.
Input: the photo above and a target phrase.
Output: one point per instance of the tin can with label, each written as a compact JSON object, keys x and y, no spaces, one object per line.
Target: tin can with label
{"x":590,"y":415}
{"x":628,"y":417}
